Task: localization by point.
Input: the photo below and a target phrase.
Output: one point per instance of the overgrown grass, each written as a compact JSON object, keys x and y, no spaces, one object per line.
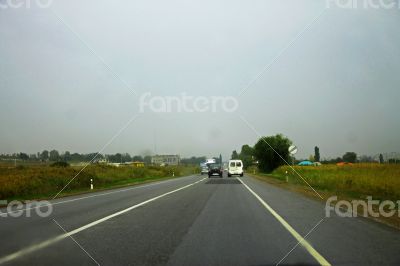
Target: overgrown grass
{"x":43,"y":181}
{"x":382,"y":181}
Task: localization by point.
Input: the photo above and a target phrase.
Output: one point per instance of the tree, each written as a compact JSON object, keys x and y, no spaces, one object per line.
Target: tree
{"x":350,"y":157}
{"x":116,"y":158}
{"x":272,"y":152}
{"x":193,"y":160}
{"x":54,"y":156}
{"x":317,"y":156}
{"x":381,"y":158}
{"x":126,"y":157}
{"x":23,"y":156}
{"x":137,"y":158}
{"x":67,"y":156}
{"x":235,"y":155}
{"x":76,"y":157}
{"x":247,"y":155}
{"x":44,"y":155}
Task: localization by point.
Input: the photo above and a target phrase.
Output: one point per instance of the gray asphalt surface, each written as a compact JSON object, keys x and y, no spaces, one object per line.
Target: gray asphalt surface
{"x":214,"y":222}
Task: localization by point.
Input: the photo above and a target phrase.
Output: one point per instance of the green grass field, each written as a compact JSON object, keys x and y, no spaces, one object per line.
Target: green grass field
{"x":382,"y":181}
{"x":44,"y":181}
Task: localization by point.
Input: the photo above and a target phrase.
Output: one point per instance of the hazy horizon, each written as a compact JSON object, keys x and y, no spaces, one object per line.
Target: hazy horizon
{"x":336,"y":86}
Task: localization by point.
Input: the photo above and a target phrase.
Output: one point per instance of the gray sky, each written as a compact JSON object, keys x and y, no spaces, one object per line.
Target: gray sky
{"x":335,"y":86}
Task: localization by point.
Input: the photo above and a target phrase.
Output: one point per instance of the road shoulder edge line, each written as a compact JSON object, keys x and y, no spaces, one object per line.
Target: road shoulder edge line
{"x":314,"y":253}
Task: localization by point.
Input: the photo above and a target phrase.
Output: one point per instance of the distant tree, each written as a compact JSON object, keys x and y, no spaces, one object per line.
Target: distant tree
{"x":247,"y":156}
{"x":44,"y":156}
{"x":317,"y":156}
{"x":350,"y":157}
{"x":126,"y":157}
{"x":311,"y":158}
{"x":137,"y":158}
{"x":54,"y":156}
{"x":235,"y":155}
{"x":67,"y":156}
{"x":23,"y":156}
{"x":381,"y":158}
{"x":115,"y":158}
{"x":193,"y":160}
{"x":147,"y":159}
{"x":366,"y":159}
{"x":76,"y":157}
{"x":272,"y":152}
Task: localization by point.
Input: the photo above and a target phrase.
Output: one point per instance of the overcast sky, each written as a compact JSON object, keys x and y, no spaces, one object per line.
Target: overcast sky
{"x":67,"y":74}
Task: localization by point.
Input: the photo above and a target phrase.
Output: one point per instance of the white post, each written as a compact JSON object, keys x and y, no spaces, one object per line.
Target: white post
{"x":91,"y":184}
{"x":287,"y":177}
{"x":173,"y":174}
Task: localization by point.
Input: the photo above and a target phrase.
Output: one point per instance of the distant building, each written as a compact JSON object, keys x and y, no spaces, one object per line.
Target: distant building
{"x":138,"y":164}
{"x":166,"y":159}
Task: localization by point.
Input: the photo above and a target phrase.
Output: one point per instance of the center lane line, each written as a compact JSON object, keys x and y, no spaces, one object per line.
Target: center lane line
{"x":54,"y":240}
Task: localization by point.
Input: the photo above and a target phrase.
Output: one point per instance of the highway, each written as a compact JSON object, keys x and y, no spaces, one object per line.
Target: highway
{"x":195,"y":221}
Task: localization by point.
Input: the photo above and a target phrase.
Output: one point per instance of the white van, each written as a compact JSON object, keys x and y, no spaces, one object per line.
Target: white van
{"x":235,"y":167}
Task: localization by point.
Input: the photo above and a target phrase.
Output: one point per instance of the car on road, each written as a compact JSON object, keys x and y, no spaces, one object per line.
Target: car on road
{"x":235,"y":167}
{"x":204,"y":169}
{"x":215,"y":169}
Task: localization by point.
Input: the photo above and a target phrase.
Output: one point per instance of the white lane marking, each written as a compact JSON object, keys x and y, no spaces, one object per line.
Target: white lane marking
{"x":76,"y":242}
{"x":321,"y":260}
{"x":49,"y":242}
{"x":92,"y":196}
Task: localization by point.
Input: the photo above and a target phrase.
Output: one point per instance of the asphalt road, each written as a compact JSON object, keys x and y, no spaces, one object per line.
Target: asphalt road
{"x":195,"y":221}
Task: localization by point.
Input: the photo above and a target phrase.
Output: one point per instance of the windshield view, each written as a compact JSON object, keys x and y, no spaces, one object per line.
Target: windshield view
{"x":220,"y":133}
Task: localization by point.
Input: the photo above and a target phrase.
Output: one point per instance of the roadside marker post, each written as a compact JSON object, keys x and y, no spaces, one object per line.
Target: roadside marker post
{"x":293,"y":150}
{"x":91,"y":184}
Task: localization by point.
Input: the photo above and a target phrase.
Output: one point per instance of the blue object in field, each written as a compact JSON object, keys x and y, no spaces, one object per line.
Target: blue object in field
{"x":305,"y":163}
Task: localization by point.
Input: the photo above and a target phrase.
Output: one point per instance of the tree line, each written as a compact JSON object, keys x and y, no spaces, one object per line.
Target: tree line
{"x":56,"y":156}
{"x":273,"y":151}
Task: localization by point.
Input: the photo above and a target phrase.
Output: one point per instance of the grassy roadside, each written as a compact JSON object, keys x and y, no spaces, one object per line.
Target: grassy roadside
{"x":44,"y":182}
{"x":352,"y":182}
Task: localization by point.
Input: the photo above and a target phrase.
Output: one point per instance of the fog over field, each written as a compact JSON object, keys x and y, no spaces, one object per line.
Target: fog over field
{"x":71,"y":78}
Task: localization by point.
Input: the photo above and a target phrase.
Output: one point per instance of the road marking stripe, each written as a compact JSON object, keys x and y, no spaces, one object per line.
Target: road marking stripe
{"x":52,"y":241}
{"x":321,"y":260}
{"x":138,"y":186}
